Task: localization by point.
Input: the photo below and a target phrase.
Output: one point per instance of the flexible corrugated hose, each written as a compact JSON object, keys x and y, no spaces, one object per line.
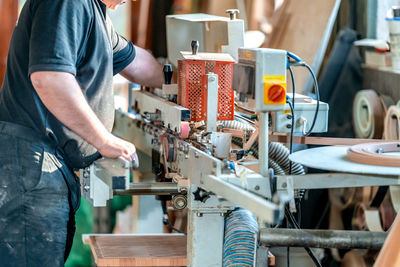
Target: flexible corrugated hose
{"x":240,"y":240}
{"x":278,"y":153}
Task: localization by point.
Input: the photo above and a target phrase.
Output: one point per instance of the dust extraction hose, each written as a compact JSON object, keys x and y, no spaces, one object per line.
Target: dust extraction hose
{"x":278,"y":154}
{"x":240,"y":241}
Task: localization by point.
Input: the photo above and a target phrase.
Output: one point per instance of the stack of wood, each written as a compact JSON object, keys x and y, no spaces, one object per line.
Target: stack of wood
{"x":300,"y":26}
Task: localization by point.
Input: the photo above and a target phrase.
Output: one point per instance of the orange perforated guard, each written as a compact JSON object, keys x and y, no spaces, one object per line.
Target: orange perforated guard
{"x":192,"y":91}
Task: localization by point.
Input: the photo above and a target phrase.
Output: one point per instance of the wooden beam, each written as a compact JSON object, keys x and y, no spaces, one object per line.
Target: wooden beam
{"x":141,"y":17}
{"x":323,"y":141}
{"x":8,"y":15}
{"x":301,"y":29}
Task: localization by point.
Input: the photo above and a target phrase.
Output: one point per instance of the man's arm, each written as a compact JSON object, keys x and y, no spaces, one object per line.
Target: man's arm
{"x":144,"y":70}
{"x":63,"y":97}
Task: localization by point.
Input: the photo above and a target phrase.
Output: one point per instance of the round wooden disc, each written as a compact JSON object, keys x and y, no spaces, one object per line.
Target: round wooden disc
{"x":334,"y":158}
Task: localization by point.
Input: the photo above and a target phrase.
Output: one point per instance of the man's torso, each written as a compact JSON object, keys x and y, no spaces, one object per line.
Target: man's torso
{"x":92,"y":52}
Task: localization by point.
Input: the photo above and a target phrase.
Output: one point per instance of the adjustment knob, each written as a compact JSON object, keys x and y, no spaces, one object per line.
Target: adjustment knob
{"x":168,"y":71}
{"x":195,"y":47}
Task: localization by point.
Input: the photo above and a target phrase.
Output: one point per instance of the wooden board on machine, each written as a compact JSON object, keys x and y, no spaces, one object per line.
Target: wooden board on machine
{"x":139,"y":250}
{"x":300,"y":27}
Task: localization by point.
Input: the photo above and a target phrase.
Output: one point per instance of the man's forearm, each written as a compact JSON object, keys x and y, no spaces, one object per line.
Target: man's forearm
{"x":63,"y":97}
{"x":144,"y":70}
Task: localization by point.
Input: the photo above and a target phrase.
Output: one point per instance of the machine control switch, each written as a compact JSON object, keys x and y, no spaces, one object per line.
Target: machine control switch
{"x":274,"y":93}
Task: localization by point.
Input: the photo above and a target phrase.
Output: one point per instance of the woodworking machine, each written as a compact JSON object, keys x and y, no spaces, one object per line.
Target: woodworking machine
{"x":190,"y":142}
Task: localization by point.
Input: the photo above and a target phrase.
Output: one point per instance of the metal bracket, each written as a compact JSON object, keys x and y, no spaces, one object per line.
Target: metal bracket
{"x":102,"y":177}
{"x":334,"y":180}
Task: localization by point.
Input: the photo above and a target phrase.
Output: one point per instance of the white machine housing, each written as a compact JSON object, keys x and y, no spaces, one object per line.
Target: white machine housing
{"x":305,"y":108}
{"x":215,"y":34}
{"x":266,"y":63}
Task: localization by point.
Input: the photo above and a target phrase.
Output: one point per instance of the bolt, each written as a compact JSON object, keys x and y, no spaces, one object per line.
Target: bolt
{"x":222,"y":214}
{"x":289,"y":117}
{"x":198,"y":214}
{"x":289,"y":126}
{"x":257,"y":188}
{"x":180,"y":203}
{"x":183,"y":189}
{"x":86,"y":188}
{"x":284,"y":185}
{"x":85,"y":174}
{"x":232,"y":13}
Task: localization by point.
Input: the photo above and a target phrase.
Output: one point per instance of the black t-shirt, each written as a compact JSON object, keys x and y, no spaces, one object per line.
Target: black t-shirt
{"x":74,"y":36}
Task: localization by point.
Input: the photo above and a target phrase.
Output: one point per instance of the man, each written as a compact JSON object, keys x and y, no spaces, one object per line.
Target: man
{"x":56,"y":114}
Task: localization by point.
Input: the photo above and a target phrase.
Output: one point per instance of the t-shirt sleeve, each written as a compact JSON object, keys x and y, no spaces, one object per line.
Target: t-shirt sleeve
{"x":124,"y":51}
{"x":59,"y":30}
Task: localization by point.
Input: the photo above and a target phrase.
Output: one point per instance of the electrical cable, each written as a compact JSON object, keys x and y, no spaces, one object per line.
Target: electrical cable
{"x":294,"y":56}
{"x":324,"y":213}
{"x":301,"y":192}
{"x":291,"y":136}
{"x":303,"y":64}
{"x":292,"y":107}
{"x":308,"y":250}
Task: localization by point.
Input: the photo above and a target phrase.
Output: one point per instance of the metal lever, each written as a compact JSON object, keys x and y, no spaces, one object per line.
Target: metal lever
{"x":168,"y":71}
{"x":135,"y":162}
{"x":125,"y":163}
{"x":195,"y":47}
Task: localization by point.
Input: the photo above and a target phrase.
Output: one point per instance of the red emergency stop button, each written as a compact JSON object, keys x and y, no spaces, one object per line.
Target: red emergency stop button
{"x":276,"y":93}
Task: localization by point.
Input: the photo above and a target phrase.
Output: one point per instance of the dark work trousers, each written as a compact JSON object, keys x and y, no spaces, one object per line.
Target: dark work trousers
{"x":39,"y":196}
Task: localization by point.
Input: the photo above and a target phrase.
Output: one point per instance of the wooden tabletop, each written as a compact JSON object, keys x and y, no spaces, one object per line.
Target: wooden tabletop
{"x":139,"y":250}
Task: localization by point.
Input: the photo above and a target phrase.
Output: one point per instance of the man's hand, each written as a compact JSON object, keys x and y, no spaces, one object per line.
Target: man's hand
{"x":115,"y":147}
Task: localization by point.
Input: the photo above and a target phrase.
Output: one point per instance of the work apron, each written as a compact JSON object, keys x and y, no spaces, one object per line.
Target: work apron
{"x":39,"y":195}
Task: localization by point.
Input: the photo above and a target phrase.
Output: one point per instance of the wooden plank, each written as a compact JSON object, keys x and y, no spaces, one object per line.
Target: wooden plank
{"x":323,"y":141}
{"x":141,"y":18}
{"x":8,"y":15}
{"x":303,"y":24}
{"x":218,"y":8}
{"x":139,"y":250}
{"x":259,"y":10}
